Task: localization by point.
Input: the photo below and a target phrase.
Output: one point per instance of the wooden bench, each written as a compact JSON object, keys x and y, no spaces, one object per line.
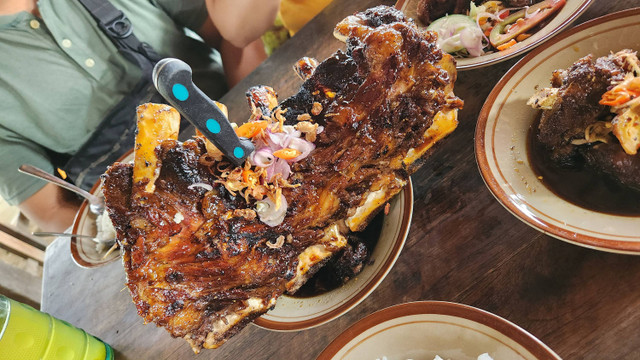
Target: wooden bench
{"x":16,"y":282}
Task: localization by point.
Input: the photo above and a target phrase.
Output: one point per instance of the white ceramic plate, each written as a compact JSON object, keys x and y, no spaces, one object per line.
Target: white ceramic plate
{"x":505,"y":119}
{"x":84,"y":251}
{"x":569,"y":13}
{"x":422,"y":330}
{"x":291,"y":313}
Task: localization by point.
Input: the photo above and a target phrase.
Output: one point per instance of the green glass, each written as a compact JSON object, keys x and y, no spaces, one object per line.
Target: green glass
{"x":29,"y":334}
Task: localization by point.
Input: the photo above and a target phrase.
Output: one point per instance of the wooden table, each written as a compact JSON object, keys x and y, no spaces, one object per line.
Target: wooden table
{"x":463,"y":246}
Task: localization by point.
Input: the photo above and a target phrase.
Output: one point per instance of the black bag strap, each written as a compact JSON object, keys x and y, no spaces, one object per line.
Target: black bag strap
{"x":116,"y":133}
{"x":115,"y":24}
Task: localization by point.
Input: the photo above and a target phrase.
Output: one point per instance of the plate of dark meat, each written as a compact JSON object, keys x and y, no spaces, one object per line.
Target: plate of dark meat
{"x":557,"y":139}
{"x":484,"y":32}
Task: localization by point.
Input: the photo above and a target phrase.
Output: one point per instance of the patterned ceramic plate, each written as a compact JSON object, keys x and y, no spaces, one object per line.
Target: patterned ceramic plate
{"x":422,"y":330}
{"x":296,"y":313}
{"x":504,"y":122}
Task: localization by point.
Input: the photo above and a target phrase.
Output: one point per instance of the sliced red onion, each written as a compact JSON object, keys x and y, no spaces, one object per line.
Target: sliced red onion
{"x":279,"y":166}
{"x":320,"y":129}
{"x":262,"y":158}
{"x":291,"y":130}
{"x":305,"y":147}
{"x":268,"y":213}
{"x":200,"y":185}
{"x":489,"y":15}
{"x":278,"y":141}
{"x":281,"y":140}
{"x":471,"y":39}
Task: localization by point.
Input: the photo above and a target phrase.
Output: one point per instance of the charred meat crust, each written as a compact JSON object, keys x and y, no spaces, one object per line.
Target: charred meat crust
{"x":192,"y":267}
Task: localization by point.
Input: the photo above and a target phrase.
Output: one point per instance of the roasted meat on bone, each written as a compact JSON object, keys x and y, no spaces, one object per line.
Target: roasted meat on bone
{"x":198,"y":264}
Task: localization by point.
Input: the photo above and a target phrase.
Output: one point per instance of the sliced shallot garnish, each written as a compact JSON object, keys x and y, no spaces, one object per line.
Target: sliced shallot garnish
{"x":262,"y":158}
{"x":269,"y":214}
{"x":200,"y":185}
{"x":471,"y":39}
{"x":279,"y":166}
{"x":305,"y":147}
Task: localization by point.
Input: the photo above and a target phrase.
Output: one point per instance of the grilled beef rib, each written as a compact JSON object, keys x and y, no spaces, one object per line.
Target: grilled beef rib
{"x":201,"y":266}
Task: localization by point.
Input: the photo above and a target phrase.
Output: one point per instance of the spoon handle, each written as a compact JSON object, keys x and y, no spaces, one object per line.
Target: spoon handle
{"x":49,"y":233}
{"x":41,"y":174}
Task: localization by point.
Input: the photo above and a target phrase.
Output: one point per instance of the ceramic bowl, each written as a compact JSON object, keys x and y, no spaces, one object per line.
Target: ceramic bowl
{"x":504,"y":122}
{"x":422,"y":330}
{"x":567,"y":15}
{"x":296,"y":313}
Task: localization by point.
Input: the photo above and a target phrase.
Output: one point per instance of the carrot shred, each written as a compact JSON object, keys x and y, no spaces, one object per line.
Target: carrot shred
{"x":615,"y":98}
{"x":251,"y":129}
{"x":287,"y":153}
{"x":522,"y":37}
{"x":507,"y":45}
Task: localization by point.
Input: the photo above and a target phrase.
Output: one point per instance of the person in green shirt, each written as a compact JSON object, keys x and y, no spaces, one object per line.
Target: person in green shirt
{"x":60,"y":75}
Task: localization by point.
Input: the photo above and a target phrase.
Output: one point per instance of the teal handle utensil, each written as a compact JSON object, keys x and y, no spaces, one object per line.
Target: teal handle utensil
{"x":174,"y":81}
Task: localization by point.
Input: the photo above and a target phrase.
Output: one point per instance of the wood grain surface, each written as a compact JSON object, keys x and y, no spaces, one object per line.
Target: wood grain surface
{"x":463,"y":246}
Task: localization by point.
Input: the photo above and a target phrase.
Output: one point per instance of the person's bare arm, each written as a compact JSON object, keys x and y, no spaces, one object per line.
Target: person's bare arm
{"x":51,"y":208}
{"x":238,"y":62}
{"x":241,"y":22}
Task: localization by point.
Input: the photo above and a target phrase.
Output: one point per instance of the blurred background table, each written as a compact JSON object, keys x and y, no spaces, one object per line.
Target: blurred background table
{"x":463,"y":246}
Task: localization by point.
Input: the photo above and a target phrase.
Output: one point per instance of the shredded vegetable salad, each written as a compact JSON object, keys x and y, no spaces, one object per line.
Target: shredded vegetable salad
{"x":268,"y":168}
{"x":490,"y":27}
{"x":624,"y":100}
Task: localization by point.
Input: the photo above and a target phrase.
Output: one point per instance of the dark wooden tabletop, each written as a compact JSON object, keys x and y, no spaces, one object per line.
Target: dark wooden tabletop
{"x":463,"y":246}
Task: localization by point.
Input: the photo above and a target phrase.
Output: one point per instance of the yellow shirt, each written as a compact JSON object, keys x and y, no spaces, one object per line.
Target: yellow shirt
{"x":296,"y":13}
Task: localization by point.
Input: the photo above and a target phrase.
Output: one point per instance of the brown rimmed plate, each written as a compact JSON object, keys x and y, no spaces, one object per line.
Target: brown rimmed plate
{"x":85,"y":252}
{"x":424,"y":329}
{"x":297,"y":313}
{"x":567,"y":15}
{"x":502,"y":130}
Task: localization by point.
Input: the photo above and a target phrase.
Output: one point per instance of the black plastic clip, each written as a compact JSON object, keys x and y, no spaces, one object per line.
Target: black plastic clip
{"x":120,"y":27}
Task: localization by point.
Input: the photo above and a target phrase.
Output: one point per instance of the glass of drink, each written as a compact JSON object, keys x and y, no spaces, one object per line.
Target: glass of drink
{"x":26,"y":333}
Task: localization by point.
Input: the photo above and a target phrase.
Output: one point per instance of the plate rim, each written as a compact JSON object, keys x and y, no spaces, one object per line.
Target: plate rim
{"x":528,"y":47}
{"x":73,"y":243}
{"x":525,"y":339}
{"x":366,"y":291}
{"x":593,"y":242}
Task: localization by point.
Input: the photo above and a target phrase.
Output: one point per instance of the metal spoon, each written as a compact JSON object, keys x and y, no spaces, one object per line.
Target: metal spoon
{"x":49,"y":233}
{"x":62,"y":234}
{"x":96,"y":203}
